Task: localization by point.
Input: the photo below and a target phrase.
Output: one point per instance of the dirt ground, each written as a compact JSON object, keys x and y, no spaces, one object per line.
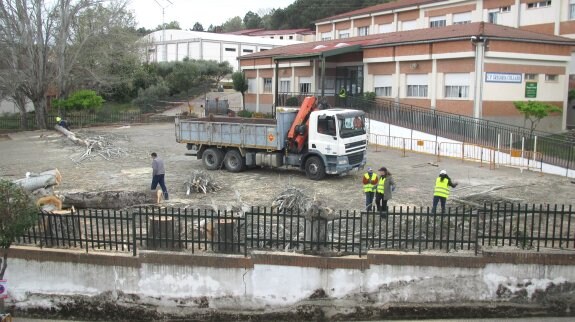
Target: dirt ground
{"x":415,"y":177}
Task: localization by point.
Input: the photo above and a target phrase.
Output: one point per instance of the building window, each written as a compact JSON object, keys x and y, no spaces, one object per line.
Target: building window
{"x":572,"y":9}
{"x":551,"y":78}
{"x":408,"y":25}
{"x":326,"y":36}
{"x":539,"y":4}
{"x":388,"y":27}
{"x":290,"y":37}
{"x":252,"y":86}
{"x":230,"y":49}
{"x":382,"y":85}
{"x":436,"y":22}
{"x":267,"y":85}
{"x":461,"y":18}
{"x":505,"y":9}
{"x":456,"y":85}
{"x":285,"y":86}
{"x":416,"y":85}
{"x":343,"y":33}
{"x":247,"y":50}
{"x":492,"y":18}
{"x":363,"y":31}
{"x":305,"y":84}
{"x":530,"y":77}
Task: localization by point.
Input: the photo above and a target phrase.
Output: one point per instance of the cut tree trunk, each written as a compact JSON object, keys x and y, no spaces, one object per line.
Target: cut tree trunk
{"x":107,"y":199}
{"x":161,"y":233}
{"x":60,"y":228}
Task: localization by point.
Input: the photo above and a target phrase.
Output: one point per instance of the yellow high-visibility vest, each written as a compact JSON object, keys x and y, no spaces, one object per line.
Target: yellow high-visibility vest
{"x":369,"y":186}
{"x":441,"y":188}
{"x":381,"y":185}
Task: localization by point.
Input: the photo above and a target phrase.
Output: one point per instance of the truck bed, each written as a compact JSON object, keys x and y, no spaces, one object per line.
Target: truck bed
{"x":249,"y":133}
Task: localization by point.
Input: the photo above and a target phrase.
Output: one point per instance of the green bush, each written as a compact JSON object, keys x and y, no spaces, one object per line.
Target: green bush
{"x":292,"y":101}
{"x":369,"y":96}
{"x":151,"y":96}
{"x":244,"y":113}
{"x":80,"y":100}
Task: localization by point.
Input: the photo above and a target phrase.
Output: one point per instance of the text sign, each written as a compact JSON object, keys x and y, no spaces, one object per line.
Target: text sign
{"x":530,"y":90}
{"x":503,"y":77}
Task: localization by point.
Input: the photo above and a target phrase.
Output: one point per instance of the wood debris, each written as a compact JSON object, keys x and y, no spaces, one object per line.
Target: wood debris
{"x":200,"y":181}
{"x":41,"y":186}
{"x":299,"y":200}
{"x":102,"y":146}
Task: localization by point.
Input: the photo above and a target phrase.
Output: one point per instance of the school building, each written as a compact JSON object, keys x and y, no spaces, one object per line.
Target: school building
{"x":430,"y":54}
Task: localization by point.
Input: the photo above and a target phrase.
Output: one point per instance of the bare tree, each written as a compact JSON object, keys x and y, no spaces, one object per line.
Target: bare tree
{"x":42,"y":42}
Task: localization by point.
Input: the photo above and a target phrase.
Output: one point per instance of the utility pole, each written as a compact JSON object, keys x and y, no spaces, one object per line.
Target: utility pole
{"x":164,"y":27}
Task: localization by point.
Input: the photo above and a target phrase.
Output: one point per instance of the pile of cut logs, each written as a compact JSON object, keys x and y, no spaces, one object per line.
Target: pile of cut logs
{"x":41,"y":185}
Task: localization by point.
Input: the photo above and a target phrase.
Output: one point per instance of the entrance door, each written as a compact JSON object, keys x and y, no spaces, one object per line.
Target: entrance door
{"x":351,"y":79}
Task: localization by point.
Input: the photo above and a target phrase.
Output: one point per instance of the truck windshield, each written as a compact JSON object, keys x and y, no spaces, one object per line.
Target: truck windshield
{"x":352,"y":126}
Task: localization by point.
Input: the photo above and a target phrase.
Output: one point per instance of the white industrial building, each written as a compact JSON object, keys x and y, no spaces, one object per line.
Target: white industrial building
{"x":175,"y":45}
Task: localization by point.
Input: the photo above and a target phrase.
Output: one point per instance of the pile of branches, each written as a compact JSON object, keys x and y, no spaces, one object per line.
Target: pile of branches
{"x":298,"y":200}
{"x":200,"y":181}
{"x":96,"y":146}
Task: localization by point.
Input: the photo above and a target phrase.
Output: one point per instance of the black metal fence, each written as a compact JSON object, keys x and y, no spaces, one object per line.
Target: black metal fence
{"x":555,"y":150}
{"x":83,"y":119}
{"x":348,"y":232}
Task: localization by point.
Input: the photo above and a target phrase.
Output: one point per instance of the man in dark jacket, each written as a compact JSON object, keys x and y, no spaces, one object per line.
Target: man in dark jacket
{"x":158,"y":173}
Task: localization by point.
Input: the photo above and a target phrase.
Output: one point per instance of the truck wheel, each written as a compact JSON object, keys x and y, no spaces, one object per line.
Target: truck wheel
{"x":234,"y":161}
{"x":314,"y":168}
{"x":212,"y":158}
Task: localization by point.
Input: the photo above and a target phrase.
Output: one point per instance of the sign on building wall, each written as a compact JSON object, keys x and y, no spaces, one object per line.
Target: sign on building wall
{"x":503,"y":77}
{"x":530,"y":90}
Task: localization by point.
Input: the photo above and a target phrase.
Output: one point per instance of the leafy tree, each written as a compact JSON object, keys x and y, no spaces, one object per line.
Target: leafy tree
{"x":233,"y":24}
{"x":169,"y":25}
{"x":80,"y":100}
{"x":17,"y":214}
{"x":252,"y":20}
{"x":149,"y":97}
{"x":197,"y":27}
{"x":240,"y":85}
{"x":534,"y":112}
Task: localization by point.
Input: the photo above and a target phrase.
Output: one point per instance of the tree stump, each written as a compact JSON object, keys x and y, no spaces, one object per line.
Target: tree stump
{"x":224,"y":236}
{"x":60,"y":228}
{"x":316,"y":233}
{"x":161,"y":233}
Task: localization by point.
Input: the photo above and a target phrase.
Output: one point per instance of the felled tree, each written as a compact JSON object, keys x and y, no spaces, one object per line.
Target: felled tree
{"x":18,"y":213}
{"x":534,"y":112}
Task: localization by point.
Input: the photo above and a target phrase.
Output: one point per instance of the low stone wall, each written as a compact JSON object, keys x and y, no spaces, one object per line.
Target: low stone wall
{"x":287,"y":286}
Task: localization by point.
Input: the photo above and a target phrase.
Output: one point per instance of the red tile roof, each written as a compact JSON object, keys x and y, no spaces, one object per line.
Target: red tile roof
{"x":398,"y":4}
{"x":447,"y":33}
{"x":263,"y":32}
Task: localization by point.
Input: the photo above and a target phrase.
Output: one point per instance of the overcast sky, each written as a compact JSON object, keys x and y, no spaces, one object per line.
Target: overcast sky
{"x":207,"y":12}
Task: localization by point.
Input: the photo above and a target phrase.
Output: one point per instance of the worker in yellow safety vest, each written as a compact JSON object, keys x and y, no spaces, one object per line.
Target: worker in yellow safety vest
{"x":384,"y":190}
{"x":441,"y":191}
{"x":342,"y":97}
{"x":369,"y":182}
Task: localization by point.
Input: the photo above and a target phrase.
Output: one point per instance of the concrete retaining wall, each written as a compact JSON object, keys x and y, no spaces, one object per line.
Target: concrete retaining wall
{"x":282,"y":286}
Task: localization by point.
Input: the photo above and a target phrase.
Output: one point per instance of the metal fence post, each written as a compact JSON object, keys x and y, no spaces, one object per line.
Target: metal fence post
{"x":134,"y":234}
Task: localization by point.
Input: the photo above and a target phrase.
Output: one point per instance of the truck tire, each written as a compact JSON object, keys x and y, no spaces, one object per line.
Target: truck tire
{"x":234,"y":161}
{"x":314,"y":168}
{"x":213,"y":158}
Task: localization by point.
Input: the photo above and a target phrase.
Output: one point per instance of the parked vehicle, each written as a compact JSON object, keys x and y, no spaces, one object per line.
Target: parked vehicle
{"x":317,"y":141}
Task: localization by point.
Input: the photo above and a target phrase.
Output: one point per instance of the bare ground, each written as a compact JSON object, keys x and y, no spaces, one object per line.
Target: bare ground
{"x":414,"y":175}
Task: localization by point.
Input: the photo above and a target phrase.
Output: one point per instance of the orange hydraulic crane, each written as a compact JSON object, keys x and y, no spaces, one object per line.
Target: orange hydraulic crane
{"x":298,"y":132}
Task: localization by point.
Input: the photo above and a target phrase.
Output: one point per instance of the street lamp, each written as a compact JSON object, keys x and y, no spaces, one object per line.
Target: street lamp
{"x":164,"y":27}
